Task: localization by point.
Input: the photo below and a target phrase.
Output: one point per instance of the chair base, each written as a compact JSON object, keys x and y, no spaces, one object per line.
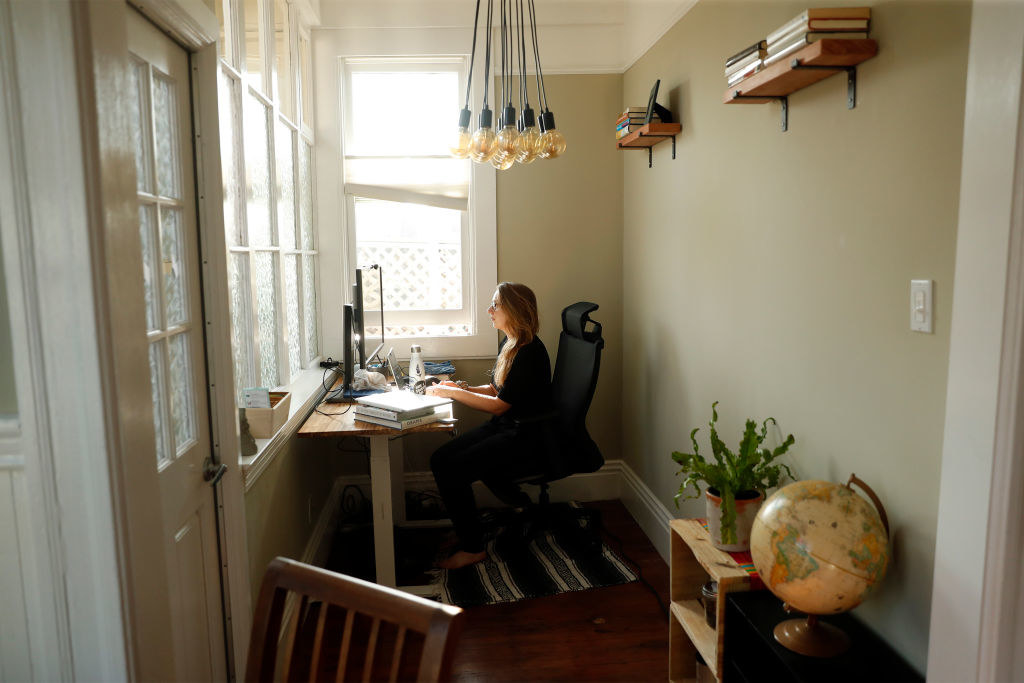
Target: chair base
{"x":580,"y":527}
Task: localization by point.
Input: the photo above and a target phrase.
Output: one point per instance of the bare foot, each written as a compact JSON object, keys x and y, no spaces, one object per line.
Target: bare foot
{"x":462,"y":559}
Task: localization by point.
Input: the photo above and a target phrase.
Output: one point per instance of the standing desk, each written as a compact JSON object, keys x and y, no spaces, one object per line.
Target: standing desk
{"x":387,"y":472}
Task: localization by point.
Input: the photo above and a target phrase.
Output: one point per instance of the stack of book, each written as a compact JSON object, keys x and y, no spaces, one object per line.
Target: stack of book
{"x":632,"y":120}
{"x":745,"y":62}
{"x":844,"y":23}
{"x":400,"y":409}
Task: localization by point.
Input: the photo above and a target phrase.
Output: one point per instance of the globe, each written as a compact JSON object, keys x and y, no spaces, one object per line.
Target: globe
{"x":821,"y":548}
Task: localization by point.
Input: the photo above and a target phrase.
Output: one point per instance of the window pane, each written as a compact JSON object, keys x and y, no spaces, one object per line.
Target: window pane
{"x":241,"y":325}
{"x":253,"y":45}
{"x":265,"y":270}
{"x":257,"y":172}
{"x":156,"y":379}
{"x":147,"y":234}
{"x":305,"y":82}
{"x":285,"y":187}
{"x":165,"y":108}
{"x":379,"y":103}
{"x":291,"y":305}
{"x":222,"y":42}
{"x":142,"y":130}
{"x":309,"y":306}
{"x":306,"y":195}
{"x":229,"y":141}
{"x":173,"y":267}
{"x":284,"y":87}
{"x":448,"y":177}
{"x":420,"y":245}
{"x":182,"y":404}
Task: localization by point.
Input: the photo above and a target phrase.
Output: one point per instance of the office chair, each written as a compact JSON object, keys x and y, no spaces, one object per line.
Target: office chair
{"x":339,"y":624}
{"x":570,"y":450}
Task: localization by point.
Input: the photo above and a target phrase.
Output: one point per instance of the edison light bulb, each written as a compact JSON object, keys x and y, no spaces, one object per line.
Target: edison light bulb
{"x":552,"y":142}
{"x":528,"y":144}
{"x":508,"y":136}
{"x":484,"y":143}
{"x":459,"y":146}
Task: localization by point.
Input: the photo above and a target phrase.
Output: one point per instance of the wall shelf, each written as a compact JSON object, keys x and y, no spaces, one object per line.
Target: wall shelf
{"x":806,"y":66}
{"x":648,"y":136}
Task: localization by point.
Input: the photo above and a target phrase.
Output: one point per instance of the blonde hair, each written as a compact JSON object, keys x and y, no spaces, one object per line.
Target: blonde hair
{"x":520,"y":307}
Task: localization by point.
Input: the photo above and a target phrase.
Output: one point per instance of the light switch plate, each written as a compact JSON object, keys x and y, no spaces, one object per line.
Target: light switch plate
{"x":921,"y":306}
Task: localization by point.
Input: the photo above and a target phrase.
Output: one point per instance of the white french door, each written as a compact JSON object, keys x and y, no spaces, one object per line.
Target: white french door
{"x":162,"y":133}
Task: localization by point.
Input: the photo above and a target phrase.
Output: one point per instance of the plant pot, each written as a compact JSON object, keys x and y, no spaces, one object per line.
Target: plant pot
{"x":747,"y":505}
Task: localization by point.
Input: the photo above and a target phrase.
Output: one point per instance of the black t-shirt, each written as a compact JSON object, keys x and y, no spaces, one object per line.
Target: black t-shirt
{"x":527,"y":387}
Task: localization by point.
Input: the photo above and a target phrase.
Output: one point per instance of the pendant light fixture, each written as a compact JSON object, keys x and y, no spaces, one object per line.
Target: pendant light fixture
{"x":516,"y":140}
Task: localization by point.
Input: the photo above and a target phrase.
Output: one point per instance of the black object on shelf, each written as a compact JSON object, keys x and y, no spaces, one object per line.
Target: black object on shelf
{"x":752,"y":653}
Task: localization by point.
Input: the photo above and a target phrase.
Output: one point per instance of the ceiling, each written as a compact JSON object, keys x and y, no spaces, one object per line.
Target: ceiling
{"x":576,"y":36}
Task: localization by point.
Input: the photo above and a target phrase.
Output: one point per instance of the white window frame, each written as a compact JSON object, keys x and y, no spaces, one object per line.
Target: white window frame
{"x":337,"y":244}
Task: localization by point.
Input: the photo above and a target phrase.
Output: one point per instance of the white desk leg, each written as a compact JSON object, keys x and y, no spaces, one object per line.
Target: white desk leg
{"x":383,"y":519}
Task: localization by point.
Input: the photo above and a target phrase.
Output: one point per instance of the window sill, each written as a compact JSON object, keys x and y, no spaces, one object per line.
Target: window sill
{"x":307,"y":391}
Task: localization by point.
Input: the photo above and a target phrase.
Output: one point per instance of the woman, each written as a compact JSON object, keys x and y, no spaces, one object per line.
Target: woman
{"x":496,"y":452}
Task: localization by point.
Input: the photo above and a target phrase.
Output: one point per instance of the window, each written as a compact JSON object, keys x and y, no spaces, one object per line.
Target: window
{"x":408,"y":203}
{"x":268,"y":202}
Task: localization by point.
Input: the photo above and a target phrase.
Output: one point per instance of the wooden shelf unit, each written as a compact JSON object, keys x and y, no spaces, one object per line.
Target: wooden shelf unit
{"x":806,"y":66}
{"x":648,"y":136}
{"x":695,"y":561}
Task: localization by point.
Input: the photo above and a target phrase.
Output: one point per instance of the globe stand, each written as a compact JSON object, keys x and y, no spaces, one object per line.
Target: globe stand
{"x":812,"y":637}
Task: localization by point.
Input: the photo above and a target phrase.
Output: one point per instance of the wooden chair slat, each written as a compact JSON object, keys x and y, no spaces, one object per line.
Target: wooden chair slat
{"x":371,"y":650}
{"x":346,"y":645}
{"x":289,"y":643}
{"x":318,"y":642}
{"x":396,"y":658}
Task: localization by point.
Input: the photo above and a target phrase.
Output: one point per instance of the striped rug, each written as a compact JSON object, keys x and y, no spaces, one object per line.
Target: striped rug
{"x":552,"y":563}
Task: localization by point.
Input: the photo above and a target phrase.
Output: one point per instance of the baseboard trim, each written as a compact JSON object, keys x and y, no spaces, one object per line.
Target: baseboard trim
{"x":614,"y":481}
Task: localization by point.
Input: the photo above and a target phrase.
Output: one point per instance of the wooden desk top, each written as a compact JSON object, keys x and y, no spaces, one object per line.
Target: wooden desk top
{"x":340,"y":420}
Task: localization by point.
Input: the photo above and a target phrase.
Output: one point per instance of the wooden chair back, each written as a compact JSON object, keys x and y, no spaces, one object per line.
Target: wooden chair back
{"x":340,"y":628}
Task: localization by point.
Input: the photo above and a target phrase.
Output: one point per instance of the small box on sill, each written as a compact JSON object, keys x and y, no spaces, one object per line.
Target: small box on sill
{"x":264,"y":422}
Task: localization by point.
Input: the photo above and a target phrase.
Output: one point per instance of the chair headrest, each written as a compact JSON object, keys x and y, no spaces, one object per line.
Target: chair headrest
{"x":575,"y":319}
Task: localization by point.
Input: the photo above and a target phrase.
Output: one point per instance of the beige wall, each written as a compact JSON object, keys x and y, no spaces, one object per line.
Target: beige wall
{"x":770,"y":271}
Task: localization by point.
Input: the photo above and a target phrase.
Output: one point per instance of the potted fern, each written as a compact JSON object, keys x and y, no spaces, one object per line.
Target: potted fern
{"x":736,"y":482}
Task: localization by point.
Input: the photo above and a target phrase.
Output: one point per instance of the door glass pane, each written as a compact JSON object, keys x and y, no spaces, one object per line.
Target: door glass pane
{"x":182,"y":406}
{"x":257,"y":172}
{"x":309,"y":306}
{"x":421,"y":242}
{"x":283,"y":61}
{"x":156,"y":378}
{"x":285,"y":187}
{"x":147,"y":235}
{"x":265,"y":270}
{"x":142,"y":131}
{"x":238,"y":272}
{"x":165,"y":110}
{"x":306,"y":196}
{"x":253,"y":44}
{"x":291,"y":307}
{"x":228,"y":102}
{"x":173,"y":267}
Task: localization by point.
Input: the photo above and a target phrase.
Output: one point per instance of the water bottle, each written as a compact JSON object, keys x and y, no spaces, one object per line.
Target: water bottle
{"x":416,"y":371}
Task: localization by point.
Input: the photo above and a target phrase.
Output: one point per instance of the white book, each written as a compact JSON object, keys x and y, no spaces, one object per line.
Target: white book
{"x":401,"y":401}
{"x":393,"y":414}
{"x":403,"y":424}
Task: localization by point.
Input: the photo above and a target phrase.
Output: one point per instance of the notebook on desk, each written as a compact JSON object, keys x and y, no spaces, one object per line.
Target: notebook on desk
{"x":401,"y":401}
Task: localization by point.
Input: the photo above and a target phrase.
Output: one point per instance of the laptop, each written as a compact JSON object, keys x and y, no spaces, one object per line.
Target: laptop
{"x":401,"y":379}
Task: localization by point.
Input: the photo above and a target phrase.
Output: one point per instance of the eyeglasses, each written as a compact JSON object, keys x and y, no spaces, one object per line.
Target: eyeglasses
{"x":494,"y":306}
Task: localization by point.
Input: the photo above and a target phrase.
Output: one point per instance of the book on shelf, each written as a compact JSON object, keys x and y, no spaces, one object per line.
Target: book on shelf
{"x":401,"y":424}
{"x":398,"y":415}
{"x":808,"y":37}
{"x":820,"y":15}
{"x":744,"y":63}
{"x":738,"y":76}
{"x":744,"y":67}
{"x":634,"y":110}
{"x":635,"y":119}
{"x":623,"y":132}
{"x":756,"y":48}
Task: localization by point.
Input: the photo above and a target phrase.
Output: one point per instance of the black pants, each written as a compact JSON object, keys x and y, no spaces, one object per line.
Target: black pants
{"x":492,"y":453}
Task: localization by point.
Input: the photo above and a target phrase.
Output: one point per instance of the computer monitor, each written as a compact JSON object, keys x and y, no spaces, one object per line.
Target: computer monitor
{"x":359,"y":318}
{"x":347,"y":342}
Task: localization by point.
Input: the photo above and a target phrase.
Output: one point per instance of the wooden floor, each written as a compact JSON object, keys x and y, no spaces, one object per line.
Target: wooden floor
{"x":604,"y":634}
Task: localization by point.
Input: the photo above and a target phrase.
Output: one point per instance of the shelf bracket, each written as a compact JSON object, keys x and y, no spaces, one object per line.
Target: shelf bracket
{"x":851,"y":78}
{"x":650,"y":152}
{"x":783,"y":100}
